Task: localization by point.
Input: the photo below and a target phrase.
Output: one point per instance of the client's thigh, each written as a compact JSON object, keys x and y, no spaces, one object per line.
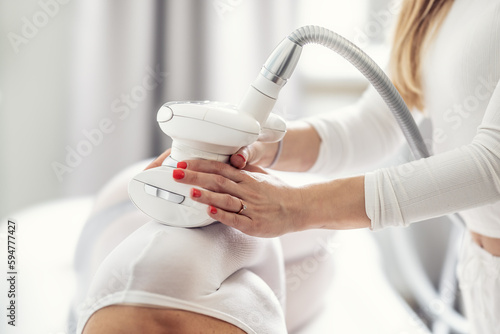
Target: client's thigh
{"x":125,"y":319}
{"x":213,"y":275}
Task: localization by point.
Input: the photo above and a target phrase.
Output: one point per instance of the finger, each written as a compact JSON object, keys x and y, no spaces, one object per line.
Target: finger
{"x":226,"y":202}
{"x":240,"y":222}
{"x":213,"y":182}
{"x":215,"y":167}
{"x":158,"y":161}
{"x":240,"y":158}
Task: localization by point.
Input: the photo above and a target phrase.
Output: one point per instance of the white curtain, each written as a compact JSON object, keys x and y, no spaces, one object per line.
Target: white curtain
{"x":132,"y":56}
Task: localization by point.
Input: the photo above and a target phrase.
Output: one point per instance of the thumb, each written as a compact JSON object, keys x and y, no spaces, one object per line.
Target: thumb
{"x":240,"y":158}
{"x":158,"y":161}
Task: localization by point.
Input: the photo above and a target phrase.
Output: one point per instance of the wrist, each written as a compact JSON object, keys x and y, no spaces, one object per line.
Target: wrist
{"x":337,"y":204}
{"x":298,"y":208}
{"x":270,"y":154}
{"x":276,"y":155}
{"x":305,"y":208}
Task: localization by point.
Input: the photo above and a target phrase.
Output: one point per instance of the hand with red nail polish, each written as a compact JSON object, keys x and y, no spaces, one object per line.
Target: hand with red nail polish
{"x":245,"y":199}
{"x":261,"y":204}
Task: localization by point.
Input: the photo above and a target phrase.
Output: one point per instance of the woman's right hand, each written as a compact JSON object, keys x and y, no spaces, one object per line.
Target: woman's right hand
{"x":300,"y":150}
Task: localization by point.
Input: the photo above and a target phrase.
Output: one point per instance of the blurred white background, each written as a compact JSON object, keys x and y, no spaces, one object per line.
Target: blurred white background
{"x":81,"y":81}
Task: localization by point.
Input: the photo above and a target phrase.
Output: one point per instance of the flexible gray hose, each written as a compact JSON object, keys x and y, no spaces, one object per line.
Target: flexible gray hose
{"x":420,"y":283}
{"x":374,"y":74}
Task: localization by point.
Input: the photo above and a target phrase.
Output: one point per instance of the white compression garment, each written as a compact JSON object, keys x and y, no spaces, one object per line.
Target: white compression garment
{"x":460,"y":72}
{"x":215,"y":270}
{"x":116,"y":224}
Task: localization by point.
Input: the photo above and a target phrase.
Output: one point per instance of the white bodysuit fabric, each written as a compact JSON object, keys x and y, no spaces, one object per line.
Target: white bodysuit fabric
{"x":215,"y":270}
{"x":123,"y":258}
{"x":479,"y":278}
{"x":461,"y":70}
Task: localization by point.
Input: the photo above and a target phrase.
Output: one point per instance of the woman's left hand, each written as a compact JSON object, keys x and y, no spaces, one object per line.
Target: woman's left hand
{"x":249,"y":200}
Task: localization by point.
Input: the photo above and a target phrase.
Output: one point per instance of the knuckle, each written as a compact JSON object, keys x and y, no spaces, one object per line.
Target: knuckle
{"x":220,"y":168}
{"x":227,"y":200}
{"x":253,"y":197}
{"x":220,"y":181}
{"x":244,"y":173}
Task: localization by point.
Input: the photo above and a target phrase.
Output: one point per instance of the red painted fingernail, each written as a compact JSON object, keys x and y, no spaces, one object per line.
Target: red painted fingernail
{"x":241,"y":155}
{"x":213,"y":210}
{"x":195,"y":192}
{"x":178,"y":174}
{"x":182,"y":164}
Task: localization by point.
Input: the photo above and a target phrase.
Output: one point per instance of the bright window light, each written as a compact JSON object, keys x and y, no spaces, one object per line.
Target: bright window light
{"x":364,"y":22}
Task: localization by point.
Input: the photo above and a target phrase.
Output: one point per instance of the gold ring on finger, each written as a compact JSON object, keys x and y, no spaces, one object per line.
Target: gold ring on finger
{"x":243,"y":207}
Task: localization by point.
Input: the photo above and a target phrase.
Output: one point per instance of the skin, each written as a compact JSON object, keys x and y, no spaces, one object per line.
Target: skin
{"x":492,"y":245}
{"x":274,"y":208}
{"x":125,"y":319}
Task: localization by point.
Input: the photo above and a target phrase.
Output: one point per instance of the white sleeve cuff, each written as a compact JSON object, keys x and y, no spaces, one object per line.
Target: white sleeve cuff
{"x":381,"y":202}
{"x":330,"y":149}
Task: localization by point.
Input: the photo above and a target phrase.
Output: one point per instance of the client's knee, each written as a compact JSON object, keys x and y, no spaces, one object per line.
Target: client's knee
{"x":124,"y":319}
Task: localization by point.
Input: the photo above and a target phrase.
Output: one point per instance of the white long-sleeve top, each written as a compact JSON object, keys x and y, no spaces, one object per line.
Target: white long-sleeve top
{"x":461,"y":71}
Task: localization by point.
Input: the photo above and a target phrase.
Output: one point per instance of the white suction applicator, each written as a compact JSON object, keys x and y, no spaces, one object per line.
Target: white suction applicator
{"x":212,"y":131}
{"x":199,"y":130}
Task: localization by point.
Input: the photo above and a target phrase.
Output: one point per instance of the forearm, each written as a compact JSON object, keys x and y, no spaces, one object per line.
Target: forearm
{"x":299,"y":151}
{"x":337,"y":204}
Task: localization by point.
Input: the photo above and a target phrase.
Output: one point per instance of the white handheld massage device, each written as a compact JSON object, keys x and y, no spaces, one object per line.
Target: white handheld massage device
{"x":199,"y":130}
{"x":215,"y":131}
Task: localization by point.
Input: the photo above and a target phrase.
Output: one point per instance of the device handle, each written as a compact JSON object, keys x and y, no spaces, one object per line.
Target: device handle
{"x":273,"y":130}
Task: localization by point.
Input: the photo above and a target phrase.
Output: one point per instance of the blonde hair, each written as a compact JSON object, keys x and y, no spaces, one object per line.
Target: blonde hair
{"x":417,"y":22}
